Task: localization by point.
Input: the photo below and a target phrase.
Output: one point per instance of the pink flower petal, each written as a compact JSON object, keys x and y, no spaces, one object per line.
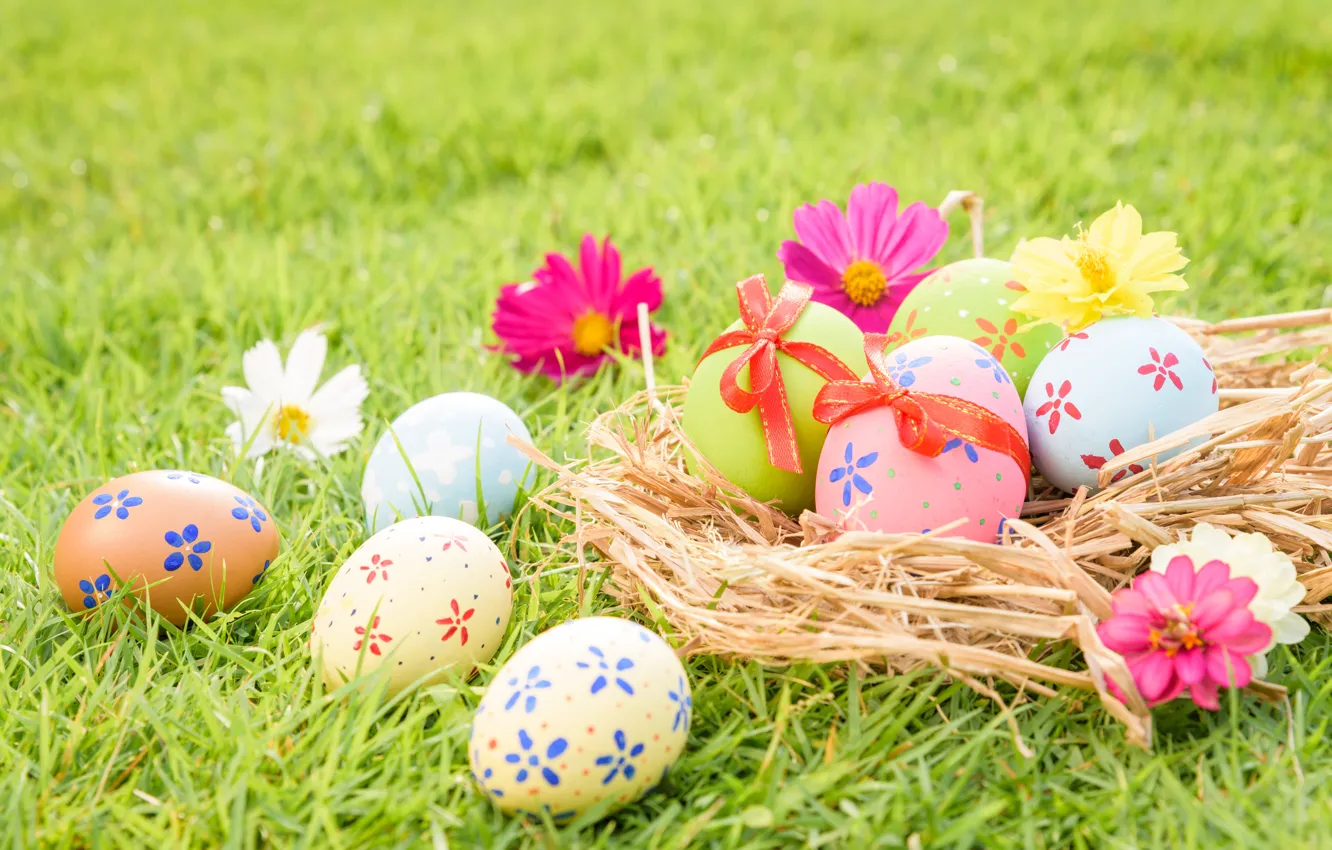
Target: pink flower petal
{"x":823,"y":230}
{"x":610,"y":271}
{"x":916,"y":239}
{"x":1212,"y":609}
{"x":1179,"y":575}
{"x":598,"y":290}
{"x":1157,"y":590}
{"x":1125,"y":633}
{"x":805,"y":266}
{"x":1244,"y":589}
{"x":1126,"y":600}
{"x":1233,"y":626}
{"x":1239,"y":672}
{"x":1190,"y":666}
{"x":1211,"y":575}
{"x":642,"y":286}
{"x":1154,"y":675}
{"x":1204,"y":695}
{"x":629,"y":339}
{"x":872,"y":212}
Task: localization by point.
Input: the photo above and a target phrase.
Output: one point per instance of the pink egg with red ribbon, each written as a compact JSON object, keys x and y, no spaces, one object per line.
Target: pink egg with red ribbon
{"x":935,"y":434}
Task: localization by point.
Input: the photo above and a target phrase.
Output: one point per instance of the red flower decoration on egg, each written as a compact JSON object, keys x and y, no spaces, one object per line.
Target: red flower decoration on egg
{"x":375,"y":638}
{"x":1208,"y":364}
{"x":451,"y":540}
{"x":1064,"y":343}
{"x":1057,"y":405}
{"x":908,"y":333}
{"x":456,"y":623}
{"x":376,"y":569}
{"x":508,"y":575}
{"x":1116,"y":449}
{"x":999,"y":337}
{"x":1162,"y":369}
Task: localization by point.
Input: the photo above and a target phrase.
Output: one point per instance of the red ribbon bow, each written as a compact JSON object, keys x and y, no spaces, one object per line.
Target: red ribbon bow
{"x":765,"y":321}
{"x":925,"y":421}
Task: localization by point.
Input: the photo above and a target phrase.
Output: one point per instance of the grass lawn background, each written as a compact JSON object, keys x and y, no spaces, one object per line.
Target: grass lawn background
{"x":179,"y":180}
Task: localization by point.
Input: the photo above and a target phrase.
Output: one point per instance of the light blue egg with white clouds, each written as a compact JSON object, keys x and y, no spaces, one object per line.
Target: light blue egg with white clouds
{"x":1113,"y":386}
{"x":453,"y":441}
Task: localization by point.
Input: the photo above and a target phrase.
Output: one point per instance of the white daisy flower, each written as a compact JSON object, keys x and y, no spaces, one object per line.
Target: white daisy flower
{"x":1254,"y":557}
{"x":281,"y":407}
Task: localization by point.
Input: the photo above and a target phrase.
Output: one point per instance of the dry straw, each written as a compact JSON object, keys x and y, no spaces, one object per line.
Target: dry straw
{"x":736,"y":578}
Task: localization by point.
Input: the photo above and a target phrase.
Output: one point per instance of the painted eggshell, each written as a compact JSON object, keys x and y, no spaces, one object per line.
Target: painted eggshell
{"x":180,"y":540}
{"x":591,"y":710}
{"x":422,"y":596}
{"x":1114,"y":385}
{"x":970,"y":299}
{"x":734,"y":442}
{"x":457,"y":445}
{"x":868,"y":481}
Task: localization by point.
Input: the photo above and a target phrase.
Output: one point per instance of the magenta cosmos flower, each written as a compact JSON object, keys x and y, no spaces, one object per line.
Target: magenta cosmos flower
{"x":863,"y":263}
{"x":1186,"y":628}
{"x":566,"y":320}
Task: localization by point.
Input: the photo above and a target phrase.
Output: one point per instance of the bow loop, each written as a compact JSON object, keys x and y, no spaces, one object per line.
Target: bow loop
{"x":925,"y":421}
{"x":765,"y":320}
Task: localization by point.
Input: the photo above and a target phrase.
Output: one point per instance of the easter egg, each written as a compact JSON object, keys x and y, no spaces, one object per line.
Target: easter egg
{"x":419,"y":598}
{"x":971,"y":299}
{"x":867,"y":480}
{"x":180,"y":541}
{"x":592,"y":710}
{"x":734,"y":442}
{"x":449,"y":457}
{"x":1114,"y":385}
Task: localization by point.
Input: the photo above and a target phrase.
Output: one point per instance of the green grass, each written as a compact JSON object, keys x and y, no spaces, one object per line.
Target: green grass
{"x":178,"y":180}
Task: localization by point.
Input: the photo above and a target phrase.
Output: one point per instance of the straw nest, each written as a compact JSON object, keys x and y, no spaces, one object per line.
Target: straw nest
{"x":737,"y":578}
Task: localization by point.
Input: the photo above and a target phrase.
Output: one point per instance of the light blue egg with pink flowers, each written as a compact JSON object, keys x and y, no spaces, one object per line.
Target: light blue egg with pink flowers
{"x":447,"y":456}
{"x":1113,"y":386}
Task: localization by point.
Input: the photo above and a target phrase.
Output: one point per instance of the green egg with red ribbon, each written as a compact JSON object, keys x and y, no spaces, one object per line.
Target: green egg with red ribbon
{"x":972,"y":299}
{"x":749,"y":410}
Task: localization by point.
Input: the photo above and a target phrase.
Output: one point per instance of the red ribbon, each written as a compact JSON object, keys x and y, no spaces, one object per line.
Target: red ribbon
{"x":765,"y":321}
{"x":925,"y":421}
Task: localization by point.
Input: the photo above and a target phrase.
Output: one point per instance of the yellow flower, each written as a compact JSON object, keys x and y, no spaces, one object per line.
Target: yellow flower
{"x":1110,"y":269}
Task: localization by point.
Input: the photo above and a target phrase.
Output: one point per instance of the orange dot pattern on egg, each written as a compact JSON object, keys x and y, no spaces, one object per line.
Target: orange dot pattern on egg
{"x":180,"y":540}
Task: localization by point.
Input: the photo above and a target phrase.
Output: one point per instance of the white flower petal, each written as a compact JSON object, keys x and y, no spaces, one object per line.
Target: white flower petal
{"x":1291,"y":628}
{"x":342,"y":393}
{"x":304,"y":363}
{"x":263,"y":370}
{"x":235,"y":398}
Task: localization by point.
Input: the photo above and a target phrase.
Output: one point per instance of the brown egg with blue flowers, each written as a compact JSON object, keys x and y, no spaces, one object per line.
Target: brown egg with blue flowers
{"x":179,"y":540}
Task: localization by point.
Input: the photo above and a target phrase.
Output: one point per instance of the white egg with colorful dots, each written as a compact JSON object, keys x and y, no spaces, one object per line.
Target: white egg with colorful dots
{"x":419,"y":599}
{"x":590,"y":711}
{"x":1112,"y":386}
{"x":446,"y":456}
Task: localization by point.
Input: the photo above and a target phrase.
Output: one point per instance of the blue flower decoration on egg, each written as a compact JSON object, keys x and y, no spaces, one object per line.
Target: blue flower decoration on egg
{"x":622,"y":760}
{"x":902,"y":371}
{"x":524,"y":692}
{"x":606,"y":675}
{"x":989,"y":363}
{"x":529,"y":761}
{"x":187,"y":540}
{"x":97,"y":590}
{"x":967,"y":448}
{"x":851,"y":475}
{"x":248,"y":510}
{"x":440,"y":455}
{"x":119,"y":503}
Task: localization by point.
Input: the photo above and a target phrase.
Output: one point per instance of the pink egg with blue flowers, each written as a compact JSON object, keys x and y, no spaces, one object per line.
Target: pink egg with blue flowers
{"x":868,"y":481}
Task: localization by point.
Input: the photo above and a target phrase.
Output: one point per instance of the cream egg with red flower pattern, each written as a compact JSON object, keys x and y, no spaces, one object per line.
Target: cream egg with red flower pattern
{"x":423,"y":599}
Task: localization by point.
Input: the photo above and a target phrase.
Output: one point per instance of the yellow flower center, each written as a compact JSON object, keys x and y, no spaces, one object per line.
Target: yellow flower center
{"x":1094,"y":264}
{"x":592,"y":332}
{"x":1179,"y":632}
{"x":293,"y":423}
{"x":864,"y":282}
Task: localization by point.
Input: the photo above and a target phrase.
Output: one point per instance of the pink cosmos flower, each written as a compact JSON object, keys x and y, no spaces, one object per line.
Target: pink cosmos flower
{"x":565,"y":321}
{"x":1186,"y":628}
{"x":862,"y":263}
